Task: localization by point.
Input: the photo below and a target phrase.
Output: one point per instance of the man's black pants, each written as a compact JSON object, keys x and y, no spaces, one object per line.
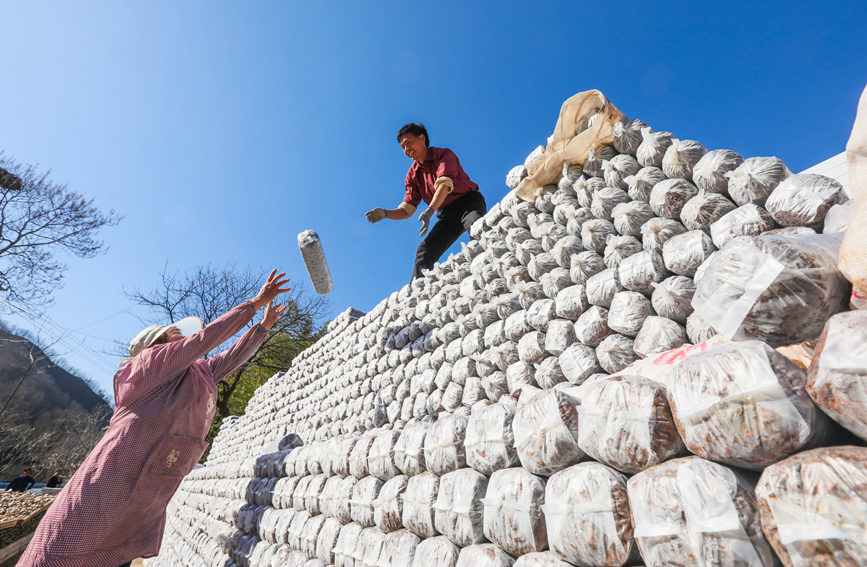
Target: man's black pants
{"x":452,"y":221}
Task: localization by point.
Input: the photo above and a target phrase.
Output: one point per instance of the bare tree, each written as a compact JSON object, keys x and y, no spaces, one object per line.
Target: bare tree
{"x":37,"y":218}
{"x":208,"y":292}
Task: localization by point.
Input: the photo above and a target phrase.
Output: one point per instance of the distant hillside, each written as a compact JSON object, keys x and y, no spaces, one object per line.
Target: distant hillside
{"x":54,"y":418}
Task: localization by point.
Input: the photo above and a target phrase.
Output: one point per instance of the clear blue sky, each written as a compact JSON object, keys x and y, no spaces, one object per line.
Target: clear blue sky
{"x":223,"y":129}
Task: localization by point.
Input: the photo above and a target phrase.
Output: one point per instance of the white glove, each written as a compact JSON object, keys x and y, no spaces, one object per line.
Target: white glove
{"x":424,"y":218}
{"x":375,"y":215}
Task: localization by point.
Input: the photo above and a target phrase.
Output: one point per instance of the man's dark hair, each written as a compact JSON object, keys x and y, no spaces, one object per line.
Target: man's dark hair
{"x":415,"y":129}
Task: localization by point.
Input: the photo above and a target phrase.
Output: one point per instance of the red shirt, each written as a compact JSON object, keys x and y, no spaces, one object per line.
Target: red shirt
{"x":439,"y":162}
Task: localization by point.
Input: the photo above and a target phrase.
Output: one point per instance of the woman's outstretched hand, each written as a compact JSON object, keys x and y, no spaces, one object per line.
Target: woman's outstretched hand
{"x":272,"y":288}
{"x":272,"y":313}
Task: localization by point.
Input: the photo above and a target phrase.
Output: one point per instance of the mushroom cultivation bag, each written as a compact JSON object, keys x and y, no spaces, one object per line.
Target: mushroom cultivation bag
{"x":388,"y":505}
{"x":746,"y":220}
{"x":618,"y":168}
{"x":755,"y":179}
{"x":546,"y":432}
{"x":600,"y":288}
{"x":813,"y":507}
{"x":595,"y":233}
{"x":615,"y":352}
{"x":640,"y":271}
{"x":418,"y":504}
{"x":837,"y":377}
{"x":804,"y":200}
{"x":669,"y":196}
{"x":409,"y":450}
{"x":435,"y":552}
{"x":627,"y":136}
{"x":380,"y":458}
{"x":513,"y":517}
{"x":484,"y":555}
{"x":694,"y":512}
{"x":592,"y":326}
{"x":578,"y":362}
{"x":363,"y":495}
{"x":629,"y":217}
{"x":640,"y":184}
{"x":444,"y":443}
{"x":489,"y":442}
{"x":605,"y":200}
{"x":700,"y":212}
{"x":743,"y":404}
{"x":628,"y":311}
{"x":584,"y":265}
{"x":684,"y":253}
{"x":653,"y":146}
{"x":658,"y":334}
{"x":709,"y":174}
{"x":459,"y":509}
{"x":619,"y":248}
{"x":398,"y":549}
{"x":656,"y":231}
{"x":625,"y":422}
{"x":587,"y":516}
{"x":779,"y":289}
{"x":681,"y":157}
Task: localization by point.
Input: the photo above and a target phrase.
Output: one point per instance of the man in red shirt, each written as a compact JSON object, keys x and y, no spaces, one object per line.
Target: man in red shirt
{"x":437,"y":178}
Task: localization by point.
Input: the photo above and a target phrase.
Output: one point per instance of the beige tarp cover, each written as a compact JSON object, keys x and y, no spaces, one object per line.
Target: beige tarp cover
{"x":574,"y":135}
{"x":853,"y":252}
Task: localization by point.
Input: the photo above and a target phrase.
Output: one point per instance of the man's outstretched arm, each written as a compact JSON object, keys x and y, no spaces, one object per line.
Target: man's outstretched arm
{"x":403,"y":211}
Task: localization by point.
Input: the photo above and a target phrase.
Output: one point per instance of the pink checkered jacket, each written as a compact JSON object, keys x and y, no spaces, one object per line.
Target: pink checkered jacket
{"x":114,"y":507}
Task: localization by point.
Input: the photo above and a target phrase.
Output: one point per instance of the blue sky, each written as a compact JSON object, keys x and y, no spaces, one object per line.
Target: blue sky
{"x":223,"y":129}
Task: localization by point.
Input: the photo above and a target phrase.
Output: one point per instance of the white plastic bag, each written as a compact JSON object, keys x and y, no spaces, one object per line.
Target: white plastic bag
{"x":709,"y":173}
{"x":628,"y":311}
{"x":653,"y":146}
{"x":594,"y":233}
{"x":690,"y":511}
{"x":640,"y":271}
{"x":700,"y":212}
{"x":513,"y":518}
{"x":592,"y":326}
{"x":618,"y":168}
{"x":615,"y":352}
{"x":743,"y":404}
{"x":780,"y":289}
{"x":640,"y":184}
{"x":625,"y":422}
{"x":546,"y":432}
{"x":672,"y":298}
{"x":804,"y":200}
{"x":812,"y":507}
{"x":658,"y":334}
{"x":436,"y":552}
{"x":746,"y":220}
{"x":656,"y":231}
{"x":444,"y":443}
{"x":837,"y":377}
{"x":627,"y":136}
{"x":489,"y":441}
{"x":670,"y":195}
{"x":619,"y":248}
{"x":629,"y":217}
{"x":755,"y":179}
{"x":484,"y":555}
{"x":459,"y":509}
{"x":684,"y":253}
{"x":587,"y":516}
{"x":388,"y":505}
{"x":600,"y":288}
{"x":418,"y":504}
